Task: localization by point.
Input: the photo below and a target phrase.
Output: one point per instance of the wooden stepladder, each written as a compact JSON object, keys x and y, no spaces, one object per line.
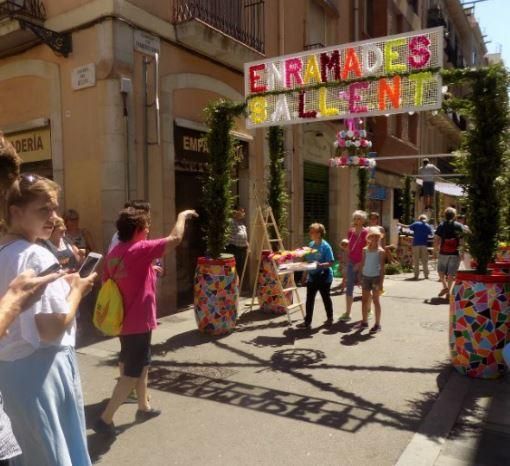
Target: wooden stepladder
{"x":260,"y":236}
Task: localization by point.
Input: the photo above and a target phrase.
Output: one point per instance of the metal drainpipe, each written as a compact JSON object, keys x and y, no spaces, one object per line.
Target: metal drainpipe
{"x":356,"y":20}
{"x":126,"y":128}
{"x":145,"y":64}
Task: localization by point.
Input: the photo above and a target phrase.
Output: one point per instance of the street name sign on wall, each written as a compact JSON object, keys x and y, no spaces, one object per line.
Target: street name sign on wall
{"x":381,"y":76}
{"x":83,"y":76}
{"x":146,"y":43}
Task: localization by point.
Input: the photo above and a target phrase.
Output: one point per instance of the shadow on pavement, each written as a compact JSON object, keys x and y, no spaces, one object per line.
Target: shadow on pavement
{"x":355,"y":338}
{"x":273,"y":342}
{"x":99,"y":445}
{"x":481,"y":433}
{"x":188,"y":339}
{"x":437,"y":301}
{"x":256,"y":315}
{"x":339,"y":327}
{"x":344,"y":410}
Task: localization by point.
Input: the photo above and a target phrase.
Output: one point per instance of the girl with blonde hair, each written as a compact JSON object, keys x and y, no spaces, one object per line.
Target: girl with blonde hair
{"x":39,"y":377}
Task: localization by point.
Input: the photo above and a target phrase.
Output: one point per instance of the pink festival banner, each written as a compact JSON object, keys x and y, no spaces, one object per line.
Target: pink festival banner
{"x":381,"y":76}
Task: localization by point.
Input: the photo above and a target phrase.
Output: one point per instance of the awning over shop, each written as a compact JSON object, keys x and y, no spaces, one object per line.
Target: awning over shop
{"x":450,"y":189}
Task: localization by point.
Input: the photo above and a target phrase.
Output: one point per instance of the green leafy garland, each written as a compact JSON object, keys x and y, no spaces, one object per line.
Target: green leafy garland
{"x":484,"y":144}
{"x":407,"y":200}
{"x":362,"y":188}
{"x":278,"y":197}
{"x":504,"y":189}
{"x":218,"y":200}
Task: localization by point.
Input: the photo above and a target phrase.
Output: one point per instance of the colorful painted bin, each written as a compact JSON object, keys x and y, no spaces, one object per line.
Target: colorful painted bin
{"x":269,"y":292}
{"x":216,"y":295}
{"x":405,"y":250}
{"x":479,"y":324}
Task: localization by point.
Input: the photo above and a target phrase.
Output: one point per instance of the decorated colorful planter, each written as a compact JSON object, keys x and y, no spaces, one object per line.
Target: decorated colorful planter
{"x":216,"y":293}
{"x":405,"y":250}
{"x":479,"y":324}
{"x":503,"y":254}
{"x":269,"y":292}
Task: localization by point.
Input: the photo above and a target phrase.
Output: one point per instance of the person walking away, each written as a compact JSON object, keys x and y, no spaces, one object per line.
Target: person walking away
{"x":422,"y":231}
{"x":80,"y":237}
{"x":39,"y":377}
{"x":374,"y":221}
{"x":238,"y":241}
{"x":372,"y":279}
{"x":20,"y":293}
{"x":428,"y":173}
{"x":357,"y":236}
{"x":129,"y":264}
{"x":67,"y":254}
{"x":465,"y":256}
{"x":447,"y":240}
{"x":320,"y":279}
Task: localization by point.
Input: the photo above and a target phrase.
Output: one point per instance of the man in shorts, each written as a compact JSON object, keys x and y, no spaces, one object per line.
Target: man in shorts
{"x":447,"y":239}
{"x":428,"y":172}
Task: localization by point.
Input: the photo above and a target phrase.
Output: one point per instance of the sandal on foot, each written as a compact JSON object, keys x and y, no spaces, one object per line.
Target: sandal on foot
{"x":375,"y":329}
{"x":443,"y":292}
{"x":345,"y":317}
{"x":361,"y":325}
{"x":303,"y":325}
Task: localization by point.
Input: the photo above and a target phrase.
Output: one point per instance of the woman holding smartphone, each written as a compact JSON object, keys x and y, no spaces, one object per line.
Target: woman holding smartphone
{"x":39,"y":377}
{"x":22,"y":290}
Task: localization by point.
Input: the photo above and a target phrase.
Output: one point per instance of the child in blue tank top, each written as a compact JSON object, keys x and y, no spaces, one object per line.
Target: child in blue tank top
{"x":372,"y":278}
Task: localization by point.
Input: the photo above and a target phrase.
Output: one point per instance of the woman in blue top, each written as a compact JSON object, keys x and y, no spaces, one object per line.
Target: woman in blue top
{"x":320,"y":279}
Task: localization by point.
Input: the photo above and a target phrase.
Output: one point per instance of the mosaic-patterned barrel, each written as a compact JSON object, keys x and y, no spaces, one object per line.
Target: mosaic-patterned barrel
{"x":405,"y":250}
{"x":216,"y":292}
{"x":503,"y":254}
{"x":269,"y":293}
{"x":479,"y":324}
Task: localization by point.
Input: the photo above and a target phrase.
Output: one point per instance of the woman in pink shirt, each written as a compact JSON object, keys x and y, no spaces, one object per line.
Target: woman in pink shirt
{"x":129,"y":264}
{"x":357,"y":236}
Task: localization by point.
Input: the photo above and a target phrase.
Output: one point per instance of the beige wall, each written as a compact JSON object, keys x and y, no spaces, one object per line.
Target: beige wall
{"x":32,"y":99}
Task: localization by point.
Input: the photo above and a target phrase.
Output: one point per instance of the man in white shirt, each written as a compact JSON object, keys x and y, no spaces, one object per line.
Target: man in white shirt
{"x":428,"y":172}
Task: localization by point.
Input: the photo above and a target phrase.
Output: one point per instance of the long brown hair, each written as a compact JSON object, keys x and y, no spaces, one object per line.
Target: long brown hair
{"x":19,"y":190}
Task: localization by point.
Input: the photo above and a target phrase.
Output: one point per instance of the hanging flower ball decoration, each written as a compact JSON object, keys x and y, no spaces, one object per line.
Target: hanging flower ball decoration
{"x":352,"y":147}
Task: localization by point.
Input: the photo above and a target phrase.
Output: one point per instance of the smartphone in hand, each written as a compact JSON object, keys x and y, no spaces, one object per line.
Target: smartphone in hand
{"x":51,"y":269}
{"x":90,"y":264}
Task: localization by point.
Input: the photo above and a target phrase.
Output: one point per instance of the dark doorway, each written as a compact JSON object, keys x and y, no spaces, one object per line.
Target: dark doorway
{"x":315,"y":195}
{"x":188,"y":190}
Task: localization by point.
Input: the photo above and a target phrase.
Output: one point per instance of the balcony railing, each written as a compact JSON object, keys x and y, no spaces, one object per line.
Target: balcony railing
{"x":316,"y":45}
{"x":242,"y":20}
{"x":22,"y":8}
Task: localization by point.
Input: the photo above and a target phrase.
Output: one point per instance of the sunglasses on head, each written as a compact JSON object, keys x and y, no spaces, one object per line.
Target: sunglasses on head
{"x":28,"y":179}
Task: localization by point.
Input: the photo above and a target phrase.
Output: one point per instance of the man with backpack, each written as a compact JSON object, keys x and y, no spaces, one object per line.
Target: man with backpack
{"x":447,"y":239}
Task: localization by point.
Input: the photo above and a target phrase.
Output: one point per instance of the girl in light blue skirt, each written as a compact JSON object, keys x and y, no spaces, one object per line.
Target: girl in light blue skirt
{"x":39,"y":377}
{"x":45,"y":404}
